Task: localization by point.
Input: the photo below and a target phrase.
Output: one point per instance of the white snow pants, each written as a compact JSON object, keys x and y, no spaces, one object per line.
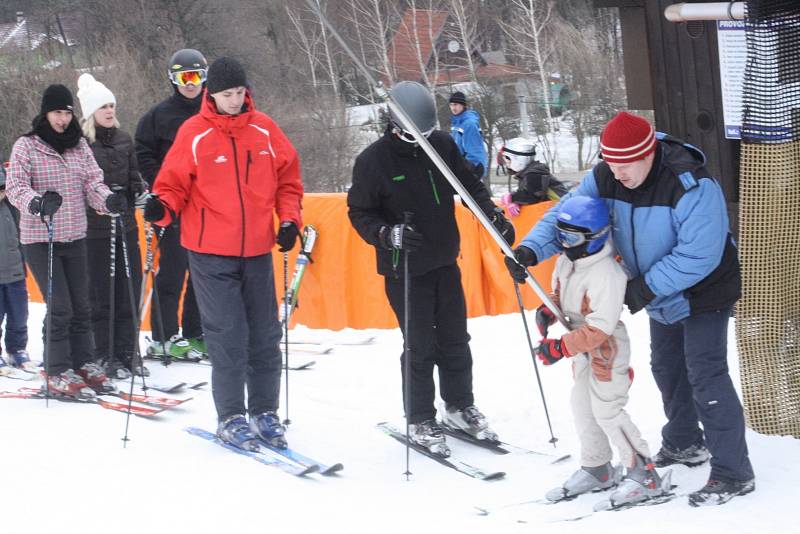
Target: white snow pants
{"x":599,"y":396}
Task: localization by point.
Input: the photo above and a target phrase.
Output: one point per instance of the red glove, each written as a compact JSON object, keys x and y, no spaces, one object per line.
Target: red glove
{"x":552,"y":350}
{"x":544,"y":318}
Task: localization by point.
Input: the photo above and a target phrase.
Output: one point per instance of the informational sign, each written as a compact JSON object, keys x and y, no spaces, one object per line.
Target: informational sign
{"x":732,"y":61}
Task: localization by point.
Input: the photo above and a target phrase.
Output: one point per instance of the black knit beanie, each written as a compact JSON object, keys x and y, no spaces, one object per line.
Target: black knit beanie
{"x":56,"y":97}
{"x":458,"y":98}
{"x":225,"y":73}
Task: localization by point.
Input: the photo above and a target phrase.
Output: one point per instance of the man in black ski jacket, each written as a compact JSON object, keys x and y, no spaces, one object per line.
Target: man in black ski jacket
{"x":394,"y":177}
{"x":154,"y":136}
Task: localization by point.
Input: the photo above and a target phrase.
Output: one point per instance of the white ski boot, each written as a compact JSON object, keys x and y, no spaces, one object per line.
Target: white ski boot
{"x":471,"y":421}
{"x":429,"y":434}
{"x":586,"y":479}
{"x":641,"y":483}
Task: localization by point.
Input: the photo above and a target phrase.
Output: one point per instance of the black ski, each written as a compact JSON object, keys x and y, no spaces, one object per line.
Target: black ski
{"x":457,"y":465}
{"x":498,"y":447}
{"x":302,"y":367}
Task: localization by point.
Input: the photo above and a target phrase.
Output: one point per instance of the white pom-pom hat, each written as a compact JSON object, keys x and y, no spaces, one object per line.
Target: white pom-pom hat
{"x":93,"y":95}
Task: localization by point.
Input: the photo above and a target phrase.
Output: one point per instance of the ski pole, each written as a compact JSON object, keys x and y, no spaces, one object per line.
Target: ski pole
{"x":49,"y":320}
{"x":406,"y":350}
{"x":136,"y":357}
{"x":112,"y":269}
{"x":437,"y":160}
{"x":286,"y":421}
{"x":553,"y":439}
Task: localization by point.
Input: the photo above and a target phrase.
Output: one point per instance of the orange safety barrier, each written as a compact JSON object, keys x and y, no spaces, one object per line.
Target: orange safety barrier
{"x":341,"y":288}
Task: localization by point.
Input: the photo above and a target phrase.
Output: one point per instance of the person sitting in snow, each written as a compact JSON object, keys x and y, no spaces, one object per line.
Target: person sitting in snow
{"x":536,"y":184}
{"x":589,"y":285}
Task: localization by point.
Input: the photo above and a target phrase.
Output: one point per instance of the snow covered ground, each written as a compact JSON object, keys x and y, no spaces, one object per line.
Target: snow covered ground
{"x":65,"y":469}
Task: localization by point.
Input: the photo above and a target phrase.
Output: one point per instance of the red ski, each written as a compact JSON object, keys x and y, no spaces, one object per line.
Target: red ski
{"x":32,"y":393}
{"x":163,"y":402}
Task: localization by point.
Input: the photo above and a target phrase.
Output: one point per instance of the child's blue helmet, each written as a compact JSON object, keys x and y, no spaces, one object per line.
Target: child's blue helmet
{"x":582,"y":226}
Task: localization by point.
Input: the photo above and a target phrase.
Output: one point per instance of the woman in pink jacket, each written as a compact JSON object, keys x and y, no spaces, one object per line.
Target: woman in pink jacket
{"x":52,"y":176}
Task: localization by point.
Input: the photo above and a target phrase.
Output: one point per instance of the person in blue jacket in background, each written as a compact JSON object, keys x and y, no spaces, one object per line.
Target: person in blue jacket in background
{"x":670,"y":226}
{"x":465,"y":127}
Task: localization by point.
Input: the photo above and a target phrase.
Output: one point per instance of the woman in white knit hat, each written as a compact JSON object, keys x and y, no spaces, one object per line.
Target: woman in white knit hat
{"x":115,"y":154}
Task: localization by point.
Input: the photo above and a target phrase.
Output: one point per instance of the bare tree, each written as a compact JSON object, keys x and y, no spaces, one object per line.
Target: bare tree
{"x":462,"y":12}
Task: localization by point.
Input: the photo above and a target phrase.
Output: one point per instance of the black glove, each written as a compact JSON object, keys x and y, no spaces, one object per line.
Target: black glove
{"x":637,"y":294}
{"x":544,"y":318}
{"x":287,"y":236}
{"x":400,"y":236}
{"x":503,"y":226}
{"x":524,"y":258}
{"x":153,"y":209}
{"x":45,"y":205}
{"x":116,"y":203}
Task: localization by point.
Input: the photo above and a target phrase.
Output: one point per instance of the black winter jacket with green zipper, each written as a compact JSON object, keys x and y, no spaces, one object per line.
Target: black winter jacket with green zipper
{"x":391,"y":177}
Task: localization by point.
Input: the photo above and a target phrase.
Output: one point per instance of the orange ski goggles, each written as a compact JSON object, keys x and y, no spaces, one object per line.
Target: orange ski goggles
{"x":188,"y":77}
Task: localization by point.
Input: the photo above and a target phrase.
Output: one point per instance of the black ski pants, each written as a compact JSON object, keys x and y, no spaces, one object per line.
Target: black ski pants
{"x":71,"y":343}
{"x":240,"y":314}
{"x":437,"y":336}
{"x":172,"y":271}
{"x":689,"y":364}
{"x":100,"y":298}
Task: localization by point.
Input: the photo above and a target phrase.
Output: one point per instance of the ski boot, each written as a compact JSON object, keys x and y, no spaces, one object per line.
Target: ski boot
{"x":235,"y":431}
{"x":429,"y":434}
{"x":691,"y":456}
{"x":198,"y":347}
{"x":96,"y":378}
{"x":471,"y":421}
{"x":176,"y":348}
{"x":641,"y":483}
{"x":21,"y":360}
{"x":720,"y":492}
{"x":69,"y":384}
{"x":268,"y":427}
{"x":586,"y":479}
{"x":116,"y":370}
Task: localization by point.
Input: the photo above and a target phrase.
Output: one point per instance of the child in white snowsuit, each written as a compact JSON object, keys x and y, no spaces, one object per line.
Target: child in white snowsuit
{"x":589,"y":286}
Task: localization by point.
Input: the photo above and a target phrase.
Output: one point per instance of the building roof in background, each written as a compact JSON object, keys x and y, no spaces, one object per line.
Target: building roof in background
{"x":403,"y":48}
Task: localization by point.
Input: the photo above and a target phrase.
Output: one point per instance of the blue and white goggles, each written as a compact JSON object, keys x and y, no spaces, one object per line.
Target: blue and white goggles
{"x":571,"y":238}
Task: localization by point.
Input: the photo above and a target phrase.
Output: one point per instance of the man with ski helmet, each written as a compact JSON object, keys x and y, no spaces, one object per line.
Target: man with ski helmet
{"x":401,"y":203}
{"x":670,"y":226}
{"x":187,"y":71}
{"x":536,"y":184}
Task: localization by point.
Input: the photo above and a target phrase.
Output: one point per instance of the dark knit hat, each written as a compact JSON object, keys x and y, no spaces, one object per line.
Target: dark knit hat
{"x":57,"y":97}
{"x":627,"y":138}
{"x":225,"y":73}
{"x":458,"y":98}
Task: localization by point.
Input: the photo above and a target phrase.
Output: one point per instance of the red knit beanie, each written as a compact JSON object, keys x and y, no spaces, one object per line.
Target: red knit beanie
{"x":627,"y":138}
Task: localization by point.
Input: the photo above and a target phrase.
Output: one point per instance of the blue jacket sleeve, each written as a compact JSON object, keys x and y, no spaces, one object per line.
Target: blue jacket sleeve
{"x":542,"y":238}
{"x":474,"y":150}
{"x":702,"y":220}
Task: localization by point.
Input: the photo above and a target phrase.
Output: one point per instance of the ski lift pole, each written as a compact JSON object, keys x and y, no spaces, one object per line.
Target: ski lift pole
{"x":437,"y":160}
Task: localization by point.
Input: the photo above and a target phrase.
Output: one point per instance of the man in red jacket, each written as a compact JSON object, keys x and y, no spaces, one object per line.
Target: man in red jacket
{"x":229,"y":170}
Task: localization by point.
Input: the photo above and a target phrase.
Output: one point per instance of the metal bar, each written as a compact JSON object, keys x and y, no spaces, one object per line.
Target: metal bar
{"x":685,"y":11}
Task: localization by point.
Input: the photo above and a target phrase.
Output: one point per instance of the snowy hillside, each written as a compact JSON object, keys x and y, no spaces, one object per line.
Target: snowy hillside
{"x":65,"y":469}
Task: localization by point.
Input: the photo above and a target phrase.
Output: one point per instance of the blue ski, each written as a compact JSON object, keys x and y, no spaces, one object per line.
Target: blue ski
{"x":305,"y":461}
{"x":265,"y":459}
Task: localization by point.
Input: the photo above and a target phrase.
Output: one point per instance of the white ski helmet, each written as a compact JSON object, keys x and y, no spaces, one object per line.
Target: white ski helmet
{"x":518,"y":153}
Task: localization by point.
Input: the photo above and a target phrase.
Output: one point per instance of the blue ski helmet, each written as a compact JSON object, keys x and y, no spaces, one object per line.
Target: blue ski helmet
{"x":582,"y":225}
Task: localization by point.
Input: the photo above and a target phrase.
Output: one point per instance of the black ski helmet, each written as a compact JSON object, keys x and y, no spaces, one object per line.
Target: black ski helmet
{"x":417,"y":102}
{"x":186,"y":59}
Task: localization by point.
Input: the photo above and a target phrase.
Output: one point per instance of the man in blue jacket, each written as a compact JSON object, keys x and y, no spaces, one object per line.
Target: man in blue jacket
{"x":465,"y":127}
{"x":670,"y":226}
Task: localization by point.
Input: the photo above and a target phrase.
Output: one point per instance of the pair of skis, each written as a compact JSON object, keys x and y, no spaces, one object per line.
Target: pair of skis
{"x":497,"y":447}
{"x":287,"y":460}
{"x":148,"y":406}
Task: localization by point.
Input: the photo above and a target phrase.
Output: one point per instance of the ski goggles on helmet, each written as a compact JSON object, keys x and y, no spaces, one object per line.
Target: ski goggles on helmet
{"x":407,"y":136}
{"x":573,"y":237}
{"x":188,"y":77}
